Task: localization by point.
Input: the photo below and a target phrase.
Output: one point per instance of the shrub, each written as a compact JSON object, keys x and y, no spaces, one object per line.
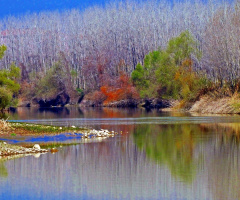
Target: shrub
{"x":121,"y":90}
{"x":5,"y":98}
{"x":56,"y":80}
{"x":9,"y":87}
{"x":96,"y":97}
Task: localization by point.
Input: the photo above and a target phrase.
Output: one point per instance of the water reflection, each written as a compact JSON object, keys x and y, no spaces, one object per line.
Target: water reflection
{"x":224,"y":168}
{"x":203,"y":154}
{"x":156,"y":162}
{"x":109,"y":170}
{"x":3,"y":170}
{"x":77,"y":112}
{"x":192,"y":158}
{"x":4,"y":159}
{"x":171,"y":145}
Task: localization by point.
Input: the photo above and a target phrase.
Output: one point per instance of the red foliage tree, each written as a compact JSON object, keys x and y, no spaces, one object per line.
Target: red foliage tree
{"x":122,"y":89}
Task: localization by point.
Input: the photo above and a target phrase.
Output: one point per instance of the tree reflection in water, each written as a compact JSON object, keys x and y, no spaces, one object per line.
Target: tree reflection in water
{"x":185,"y":148}
{"x":171,"y":145}
{"x":3,"y":170}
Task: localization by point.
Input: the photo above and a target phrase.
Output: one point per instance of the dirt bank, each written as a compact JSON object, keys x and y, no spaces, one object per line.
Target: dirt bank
{"x":207,"y":104}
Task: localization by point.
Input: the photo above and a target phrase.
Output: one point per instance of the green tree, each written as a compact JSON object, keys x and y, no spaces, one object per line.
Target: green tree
{"x":144,"y":75}
{"x":3,"y":48}
{"x":182,"y":47}
{"x":165,"y":74}
{"x":141,"y":80}
{"x":173,"y":67}
{"x":164,"y":71}
{"x":52,"y":83}
{"x":57,"y":79}
{"x":8,"y":84}
{"x":5,"y":98}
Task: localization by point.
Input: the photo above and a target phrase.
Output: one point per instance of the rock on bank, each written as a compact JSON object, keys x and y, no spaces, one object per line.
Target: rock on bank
{"x":8,"y":149}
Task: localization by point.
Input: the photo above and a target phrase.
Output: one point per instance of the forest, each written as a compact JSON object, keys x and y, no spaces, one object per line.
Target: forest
{"x":122,"y":51}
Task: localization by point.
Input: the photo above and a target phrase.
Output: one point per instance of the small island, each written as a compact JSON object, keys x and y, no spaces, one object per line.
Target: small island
{"x":46,"y":132}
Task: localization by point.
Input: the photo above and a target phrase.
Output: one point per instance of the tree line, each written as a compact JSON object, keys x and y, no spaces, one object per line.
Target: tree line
{"x":102,"y":44}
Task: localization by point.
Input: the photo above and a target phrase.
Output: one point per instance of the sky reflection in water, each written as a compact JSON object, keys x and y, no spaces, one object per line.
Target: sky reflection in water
{"x":149,"y":161}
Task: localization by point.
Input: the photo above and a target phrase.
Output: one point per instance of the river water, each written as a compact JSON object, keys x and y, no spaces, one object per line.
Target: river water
{"x":159,"y":155}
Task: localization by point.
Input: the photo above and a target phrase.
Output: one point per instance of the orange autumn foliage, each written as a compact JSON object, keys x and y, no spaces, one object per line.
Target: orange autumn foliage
{"x":121,"y":90}
{"x":185,"y":74}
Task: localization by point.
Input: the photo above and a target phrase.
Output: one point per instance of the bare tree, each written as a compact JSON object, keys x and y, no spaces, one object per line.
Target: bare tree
{"x":97,"y":40}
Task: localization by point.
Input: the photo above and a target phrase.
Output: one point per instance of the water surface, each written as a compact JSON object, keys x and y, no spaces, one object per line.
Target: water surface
{"x":158,"y":156}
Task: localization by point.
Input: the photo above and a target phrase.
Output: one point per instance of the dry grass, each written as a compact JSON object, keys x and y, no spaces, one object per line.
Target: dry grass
{"x":4,"y":125}
{"x":235,"y":102}
{"x":207,"y":104}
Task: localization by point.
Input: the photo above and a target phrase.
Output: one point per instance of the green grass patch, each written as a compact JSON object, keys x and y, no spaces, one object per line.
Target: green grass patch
{"x":39,"y":128}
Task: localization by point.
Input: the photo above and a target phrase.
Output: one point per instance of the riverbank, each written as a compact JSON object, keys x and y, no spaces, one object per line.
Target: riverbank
{"x":9,"y":149}
{"x":12,"y":131}
{"x":148,"y":103}
{"x":211,"y":105}
{"x":26,"y":129}
{"x":206,"y":104}
{"x":23,"y":129}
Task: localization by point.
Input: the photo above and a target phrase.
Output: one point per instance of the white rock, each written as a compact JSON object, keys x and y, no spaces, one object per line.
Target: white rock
{"x":73,"y":126}
{"x":37,"y":155}
{"x":60,"y":128}
{"x":36,"y":146}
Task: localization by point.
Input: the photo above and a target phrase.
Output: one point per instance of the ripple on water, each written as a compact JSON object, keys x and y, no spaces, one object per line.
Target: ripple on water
{"x":132,"y":121}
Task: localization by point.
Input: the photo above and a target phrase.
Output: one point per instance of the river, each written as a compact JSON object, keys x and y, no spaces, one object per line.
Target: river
{"x":159,"y":155}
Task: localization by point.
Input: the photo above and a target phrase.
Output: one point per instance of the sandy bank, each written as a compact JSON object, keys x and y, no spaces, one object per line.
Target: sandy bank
{"x":207,"y":104}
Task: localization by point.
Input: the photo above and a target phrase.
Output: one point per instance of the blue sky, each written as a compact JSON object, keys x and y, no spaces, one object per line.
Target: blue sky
{"x":19,"y":7}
